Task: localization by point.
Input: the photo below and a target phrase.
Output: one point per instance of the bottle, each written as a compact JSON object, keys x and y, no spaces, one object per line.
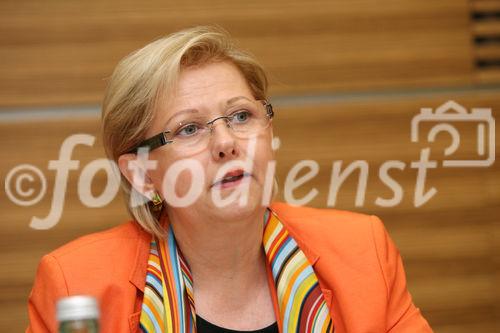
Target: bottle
{"x":78,"y":314}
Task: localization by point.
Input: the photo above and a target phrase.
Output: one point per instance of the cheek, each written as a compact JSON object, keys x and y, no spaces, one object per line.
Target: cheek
{"x":182,"y":176}
{"x":264,"y":154}
{"x":180,"y":183}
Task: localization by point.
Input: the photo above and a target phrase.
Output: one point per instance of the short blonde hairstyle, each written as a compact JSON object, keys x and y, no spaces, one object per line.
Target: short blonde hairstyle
{"x":150,"y":73}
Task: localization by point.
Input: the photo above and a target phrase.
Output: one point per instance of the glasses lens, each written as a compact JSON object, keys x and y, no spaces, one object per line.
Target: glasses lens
{"x":192,"y":134}
{"x":189,"y":134}
{"x":248,"y":118}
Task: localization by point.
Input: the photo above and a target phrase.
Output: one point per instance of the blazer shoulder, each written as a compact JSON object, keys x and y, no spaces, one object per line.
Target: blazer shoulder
{"x":321,"y":219}
{"x":119,"y":236}
{"x":332,"y":228}
{"x":108,"y":265}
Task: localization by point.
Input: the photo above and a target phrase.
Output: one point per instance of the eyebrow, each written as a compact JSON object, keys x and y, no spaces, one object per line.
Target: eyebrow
{"x":179,"y":113}
{"x":230,"y":101}
{"x":235,"y":99}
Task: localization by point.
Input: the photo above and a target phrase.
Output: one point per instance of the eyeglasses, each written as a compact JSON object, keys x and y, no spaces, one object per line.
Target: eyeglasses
{"x":191,"y":133}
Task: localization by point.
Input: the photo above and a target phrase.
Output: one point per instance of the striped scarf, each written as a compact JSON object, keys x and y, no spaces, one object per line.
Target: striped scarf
{"x":168,"y":304}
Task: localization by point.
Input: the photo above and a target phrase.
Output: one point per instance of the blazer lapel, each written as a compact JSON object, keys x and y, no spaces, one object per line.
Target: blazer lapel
{"x":133,"y":321}
{"x":140,"y":263}
{"x":137,"y":275}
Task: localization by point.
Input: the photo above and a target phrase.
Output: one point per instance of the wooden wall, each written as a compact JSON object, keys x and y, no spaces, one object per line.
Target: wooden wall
{"x":346,"y":79}
{"x":55,"y":53}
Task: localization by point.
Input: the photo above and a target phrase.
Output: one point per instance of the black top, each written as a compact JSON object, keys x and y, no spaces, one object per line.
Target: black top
{"x":203,"y":326}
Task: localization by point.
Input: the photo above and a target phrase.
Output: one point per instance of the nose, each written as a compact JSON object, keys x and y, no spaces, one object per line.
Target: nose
{"x":224,"y":145}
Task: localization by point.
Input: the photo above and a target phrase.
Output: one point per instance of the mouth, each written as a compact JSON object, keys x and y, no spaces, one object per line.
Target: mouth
{"x":232,"y":178}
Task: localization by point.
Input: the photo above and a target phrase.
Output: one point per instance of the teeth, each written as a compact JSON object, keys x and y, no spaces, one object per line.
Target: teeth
{"x":232,"y":178}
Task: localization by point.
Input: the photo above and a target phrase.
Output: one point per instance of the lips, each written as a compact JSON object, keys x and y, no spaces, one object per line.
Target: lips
{"x":232,"y":177}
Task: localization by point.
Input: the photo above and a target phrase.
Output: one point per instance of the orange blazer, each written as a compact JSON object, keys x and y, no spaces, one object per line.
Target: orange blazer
{"x":358,"y":267}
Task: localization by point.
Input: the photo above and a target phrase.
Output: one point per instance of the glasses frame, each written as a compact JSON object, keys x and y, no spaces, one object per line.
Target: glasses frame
{"x":160,"y":139}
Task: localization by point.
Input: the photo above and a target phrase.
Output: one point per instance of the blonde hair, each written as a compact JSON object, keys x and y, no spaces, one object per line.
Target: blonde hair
{"x":150,"y":73}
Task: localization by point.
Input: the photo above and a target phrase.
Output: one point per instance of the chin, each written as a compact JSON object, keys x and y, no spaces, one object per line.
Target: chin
{"x":236,"y":210}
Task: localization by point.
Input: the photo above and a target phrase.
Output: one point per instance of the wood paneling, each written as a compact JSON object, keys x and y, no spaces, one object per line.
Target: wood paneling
{"x":485,"y":26}
{"x":487,"y":29}
{"x":57,"y":53}
{"x":488,"y":76}
{"x":485,"y":5}
{"x":450,"y":245}
{"x":488,"y":52}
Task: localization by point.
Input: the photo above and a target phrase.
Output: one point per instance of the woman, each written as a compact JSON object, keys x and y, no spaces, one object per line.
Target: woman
{"x":187,"y":121}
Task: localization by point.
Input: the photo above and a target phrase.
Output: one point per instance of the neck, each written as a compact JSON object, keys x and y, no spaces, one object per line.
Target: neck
{"x":222,"y":253}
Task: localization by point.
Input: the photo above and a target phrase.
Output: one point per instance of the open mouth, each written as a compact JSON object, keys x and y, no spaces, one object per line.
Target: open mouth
{"x":231,"y":178}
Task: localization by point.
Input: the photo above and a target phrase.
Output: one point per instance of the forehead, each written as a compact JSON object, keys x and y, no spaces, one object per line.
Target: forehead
{"x":206,"y":88}
{"x":207,"y":85}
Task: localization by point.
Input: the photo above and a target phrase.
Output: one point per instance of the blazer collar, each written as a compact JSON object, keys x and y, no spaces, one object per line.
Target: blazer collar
{"x":139,"y":268}
{"x":310,"y":254}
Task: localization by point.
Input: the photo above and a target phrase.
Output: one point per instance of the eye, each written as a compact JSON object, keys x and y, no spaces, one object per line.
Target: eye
{"x":241,"y":116}
{"x":188,"y":130}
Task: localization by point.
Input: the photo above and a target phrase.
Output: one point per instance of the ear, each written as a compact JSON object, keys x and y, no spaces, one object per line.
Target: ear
{"x":136,"y":173}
